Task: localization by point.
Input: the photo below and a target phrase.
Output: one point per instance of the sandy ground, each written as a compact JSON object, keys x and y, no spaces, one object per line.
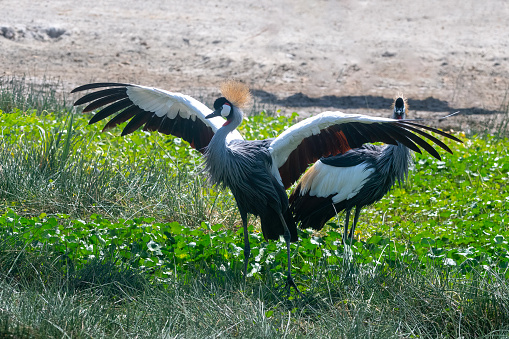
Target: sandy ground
{"x":304,"y":56}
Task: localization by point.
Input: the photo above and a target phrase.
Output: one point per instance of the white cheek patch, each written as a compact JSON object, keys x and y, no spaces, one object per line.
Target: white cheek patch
{"x":225,"y":111}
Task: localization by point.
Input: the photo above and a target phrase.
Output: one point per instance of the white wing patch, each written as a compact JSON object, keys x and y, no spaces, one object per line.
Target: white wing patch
{"x":171,"y":104}
{"x":343,"y":183}
{"x":290,"y":139}
{"x":162,"y":102}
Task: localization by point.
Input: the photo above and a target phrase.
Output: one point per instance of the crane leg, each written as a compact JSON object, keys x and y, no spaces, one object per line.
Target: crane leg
{"x":355,"y":219}
{"x":287,"y":237}
{"x":347,"y":219}
{"x":247,"y":246}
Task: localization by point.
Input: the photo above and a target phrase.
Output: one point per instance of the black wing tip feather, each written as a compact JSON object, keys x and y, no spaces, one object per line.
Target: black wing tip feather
{"x":400,"y":134}
{"x":99,"y":96}
{"x":434,"y":130}
{"x":136,"y":122}
{"x":429,"y":137}
{"x":422,"y":143}
{"x":103,"y":101}
{"x":99,"y":85}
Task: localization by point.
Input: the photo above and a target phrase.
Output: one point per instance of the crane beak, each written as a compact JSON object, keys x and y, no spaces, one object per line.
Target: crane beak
{"x":398,"y":113}
{"x":216,"y":113}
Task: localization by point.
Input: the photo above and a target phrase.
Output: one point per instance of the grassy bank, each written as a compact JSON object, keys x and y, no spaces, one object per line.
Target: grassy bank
{"x":102,"y":236}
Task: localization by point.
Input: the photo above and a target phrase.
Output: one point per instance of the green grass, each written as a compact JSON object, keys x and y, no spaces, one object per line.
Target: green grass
{"x":102,"y":236}
{"x":103,"y":300}
{"x":49,"y":166}
{"x":23,"y":94}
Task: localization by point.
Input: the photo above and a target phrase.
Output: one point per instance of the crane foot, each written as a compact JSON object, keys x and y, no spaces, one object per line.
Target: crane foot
{"x":290,"y":283}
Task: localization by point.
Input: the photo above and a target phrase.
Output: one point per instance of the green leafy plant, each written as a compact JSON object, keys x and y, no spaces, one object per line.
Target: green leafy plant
{"x":101,"y":235}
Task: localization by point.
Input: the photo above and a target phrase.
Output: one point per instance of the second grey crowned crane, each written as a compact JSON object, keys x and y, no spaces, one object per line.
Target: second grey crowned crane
{"x":357,"y":178}
{"x":258,"y":172}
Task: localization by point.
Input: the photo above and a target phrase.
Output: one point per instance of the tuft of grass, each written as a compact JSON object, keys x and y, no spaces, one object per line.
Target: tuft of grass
{"x":107,"y":277}
{"x":502,"y":125}
{"x":496,"y":125}
{"x":27,"y":94}
{"x":11,"y":330}
{"x":55,"y":164}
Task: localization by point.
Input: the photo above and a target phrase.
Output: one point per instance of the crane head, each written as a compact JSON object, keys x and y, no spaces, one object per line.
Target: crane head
{"x":222,"y":107}
{"x":235,"y":95}
{"x":400,"y":107}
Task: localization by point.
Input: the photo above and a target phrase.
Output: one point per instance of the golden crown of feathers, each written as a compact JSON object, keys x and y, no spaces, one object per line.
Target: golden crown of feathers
{"x":236,"y":92}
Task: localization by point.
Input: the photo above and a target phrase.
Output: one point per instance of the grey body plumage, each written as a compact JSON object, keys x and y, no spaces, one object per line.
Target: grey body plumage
{"x":245,"y":168}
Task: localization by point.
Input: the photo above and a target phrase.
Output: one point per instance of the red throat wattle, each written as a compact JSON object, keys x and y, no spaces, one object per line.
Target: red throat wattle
{"x":227,"y":122}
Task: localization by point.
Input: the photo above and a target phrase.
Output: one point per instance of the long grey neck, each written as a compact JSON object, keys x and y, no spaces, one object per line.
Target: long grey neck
{"x":218,"y":142}
{"x":395,"y":159}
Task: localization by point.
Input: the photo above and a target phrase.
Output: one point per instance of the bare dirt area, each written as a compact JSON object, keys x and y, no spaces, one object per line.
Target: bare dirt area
{"x":303,"y":56}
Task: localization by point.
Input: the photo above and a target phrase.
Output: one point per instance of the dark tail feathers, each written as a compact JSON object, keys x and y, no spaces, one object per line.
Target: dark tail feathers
{"x":310,"y":211}
{"x":272,"y":227}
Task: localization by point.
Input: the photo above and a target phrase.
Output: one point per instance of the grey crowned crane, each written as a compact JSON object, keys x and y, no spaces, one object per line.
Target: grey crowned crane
{"x":258,"y":172}
{"x":357,"y":178}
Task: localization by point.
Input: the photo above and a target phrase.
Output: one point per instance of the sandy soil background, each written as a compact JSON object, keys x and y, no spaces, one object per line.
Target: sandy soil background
{"x":304,"y":56}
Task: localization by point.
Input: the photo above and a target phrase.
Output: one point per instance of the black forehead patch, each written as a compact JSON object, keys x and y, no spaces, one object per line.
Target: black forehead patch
{"x":219,"y":102}
{"x":399,"y":103}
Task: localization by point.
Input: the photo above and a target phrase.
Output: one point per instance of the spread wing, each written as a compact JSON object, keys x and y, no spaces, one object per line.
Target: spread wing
{"x":332,"y":133}
{"x":155,"y":109}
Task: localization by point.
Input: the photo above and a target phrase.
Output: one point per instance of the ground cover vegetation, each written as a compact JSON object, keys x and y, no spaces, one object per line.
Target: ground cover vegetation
{"x":103,"y":236}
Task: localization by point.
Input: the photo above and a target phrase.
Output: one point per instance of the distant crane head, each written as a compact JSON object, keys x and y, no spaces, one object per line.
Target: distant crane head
{"x":400,"y":107}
